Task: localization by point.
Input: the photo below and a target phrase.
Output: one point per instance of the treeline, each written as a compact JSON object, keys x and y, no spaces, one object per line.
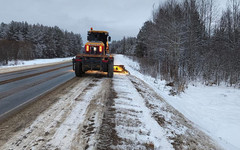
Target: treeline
{"x":182,"y":43}
{"x":20,"y":40}
{"x":124,"y":46}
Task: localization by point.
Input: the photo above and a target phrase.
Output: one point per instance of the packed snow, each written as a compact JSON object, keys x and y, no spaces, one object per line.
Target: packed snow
{"x":130,"y":99}
{"x":214,"y":109}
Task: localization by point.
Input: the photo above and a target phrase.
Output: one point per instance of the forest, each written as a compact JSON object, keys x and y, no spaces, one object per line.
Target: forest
{"x":184,"y":42}
{"x":22,"y":41}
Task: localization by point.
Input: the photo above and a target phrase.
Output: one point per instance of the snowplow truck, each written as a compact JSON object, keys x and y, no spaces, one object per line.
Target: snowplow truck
{"x":96,"y":54}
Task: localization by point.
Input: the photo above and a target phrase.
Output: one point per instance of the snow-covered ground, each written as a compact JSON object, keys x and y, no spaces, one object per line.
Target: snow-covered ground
{"x":96,"y":112}
{"x":215,"y":110}
{"x":34,"y":62}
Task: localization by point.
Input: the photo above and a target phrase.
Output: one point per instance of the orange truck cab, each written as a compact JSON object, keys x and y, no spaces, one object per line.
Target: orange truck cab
{"x":96,"y":54}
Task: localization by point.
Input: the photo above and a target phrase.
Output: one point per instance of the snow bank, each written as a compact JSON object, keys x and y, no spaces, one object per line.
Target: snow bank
{"x":215,"y":110}
{"x":128,"y":101}
{"x":34,"y":62}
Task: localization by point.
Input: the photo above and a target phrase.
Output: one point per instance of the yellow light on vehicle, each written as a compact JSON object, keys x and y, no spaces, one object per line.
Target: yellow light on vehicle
{"x":100,"y":49}
{"x":87,"y":48}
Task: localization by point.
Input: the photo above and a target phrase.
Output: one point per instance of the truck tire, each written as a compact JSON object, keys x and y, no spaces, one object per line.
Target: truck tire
{"x":78,"y":69}
{"x":110,"y":69}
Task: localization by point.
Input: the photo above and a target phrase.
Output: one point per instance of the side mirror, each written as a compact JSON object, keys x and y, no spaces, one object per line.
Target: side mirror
{"x":88,"y":38}
{"x":109,"y":38}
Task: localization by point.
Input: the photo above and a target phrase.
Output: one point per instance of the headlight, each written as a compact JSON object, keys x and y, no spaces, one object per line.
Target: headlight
{"x":95,"y":49}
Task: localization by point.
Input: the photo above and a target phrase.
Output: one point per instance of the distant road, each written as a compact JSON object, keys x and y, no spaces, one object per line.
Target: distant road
{"x":20,"y":87}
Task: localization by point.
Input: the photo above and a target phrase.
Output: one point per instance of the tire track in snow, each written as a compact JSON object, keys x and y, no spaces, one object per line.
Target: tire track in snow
{"x":107,"y":133}
{"x":134,"y":124}
{"x":66,"y":135}
{"x":88,"y":132}
{"x":49,"y":123}
{"x":26,"y":117}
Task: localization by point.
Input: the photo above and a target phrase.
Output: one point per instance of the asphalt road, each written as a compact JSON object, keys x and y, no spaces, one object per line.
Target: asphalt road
{"x":21,"y":87}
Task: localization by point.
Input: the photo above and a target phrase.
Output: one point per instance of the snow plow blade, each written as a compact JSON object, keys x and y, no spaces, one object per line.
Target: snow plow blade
{"x":120,"y":69}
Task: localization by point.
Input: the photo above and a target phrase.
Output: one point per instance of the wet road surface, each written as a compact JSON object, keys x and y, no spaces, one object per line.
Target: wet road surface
{"x":21,"y":87}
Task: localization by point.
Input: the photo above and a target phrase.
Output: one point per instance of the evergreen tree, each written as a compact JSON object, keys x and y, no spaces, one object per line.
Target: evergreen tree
{"x":39,"y":41}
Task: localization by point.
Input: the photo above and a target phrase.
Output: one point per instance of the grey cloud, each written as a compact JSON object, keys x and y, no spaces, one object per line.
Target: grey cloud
{"x":119,"y":17}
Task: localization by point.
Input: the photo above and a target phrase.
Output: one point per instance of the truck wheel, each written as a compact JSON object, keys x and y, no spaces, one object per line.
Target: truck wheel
{"x":78,"y":69}
{"x":110,"y":69}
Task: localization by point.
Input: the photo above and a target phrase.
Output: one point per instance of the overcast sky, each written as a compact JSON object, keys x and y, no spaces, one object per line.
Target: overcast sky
{"x":119,"y":17}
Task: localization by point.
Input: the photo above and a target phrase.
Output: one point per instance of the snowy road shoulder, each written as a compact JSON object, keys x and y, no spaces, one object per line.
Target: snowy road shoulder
{"x":214,"y":110}
{"x":145,"y":121}
{"x":134,"y":122}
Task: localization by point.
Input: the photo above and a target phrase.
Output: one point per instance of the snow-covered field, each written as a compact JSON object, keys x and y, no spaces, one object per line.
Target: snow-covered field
{"x":215,"y":110}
